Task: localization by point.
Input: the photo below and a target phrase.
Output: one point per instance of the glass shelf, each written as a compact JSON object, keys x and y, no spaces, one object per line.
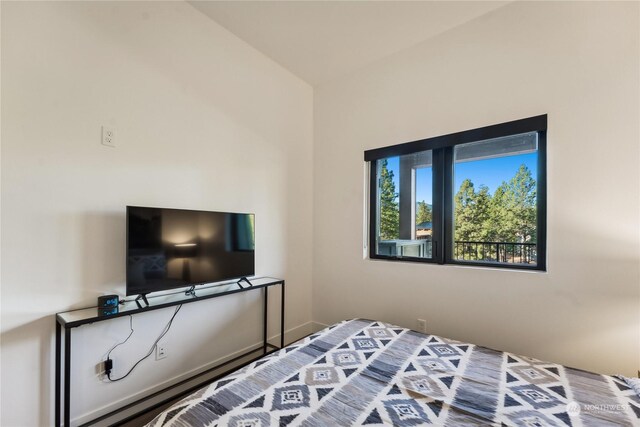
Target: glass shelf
{"x":73,"y":318}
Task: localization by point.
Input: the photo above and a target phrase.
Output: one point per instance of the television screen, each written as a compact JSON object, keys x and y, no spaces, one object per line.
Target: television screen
{"x":172,"y":248}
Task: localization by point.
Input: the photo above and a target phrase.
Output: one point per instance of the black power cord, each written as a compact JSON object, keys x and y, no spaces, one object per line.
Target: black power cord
{"x":108,"y":364}
{"x":126,"y":339}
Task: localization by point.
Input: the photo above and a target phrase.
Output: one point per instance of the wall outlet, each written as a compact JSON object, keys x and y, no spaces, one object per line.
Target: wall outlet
{"x":108,"y":137}
{"x":421,"y":325}
{"x":161,"y":351}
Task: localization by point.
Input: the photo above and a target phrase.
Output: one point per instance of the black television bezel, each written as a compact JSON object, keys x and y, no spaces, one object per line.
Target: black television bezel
{"x":181,"y":286}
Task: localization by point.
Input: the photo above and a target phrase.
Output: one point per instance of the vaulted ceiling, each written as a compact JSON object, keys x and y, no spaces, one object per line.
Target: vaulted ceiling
{"x":321,"y":40}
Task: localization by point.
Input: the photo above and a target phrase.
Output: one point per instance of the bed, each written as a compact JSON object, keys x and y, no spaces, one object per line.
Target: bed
{"x":364,"y":372}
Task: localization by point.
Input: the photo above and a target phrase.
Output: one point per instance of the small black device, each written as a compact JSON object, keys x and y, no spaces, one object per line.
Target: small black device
{"x":107,"y":311}
{"x":108,"y":302}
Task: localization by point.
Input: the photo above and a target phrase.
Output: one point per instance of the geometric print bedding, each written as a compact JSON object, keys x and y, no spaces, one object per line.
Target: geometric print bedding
{"x":367,"y":373}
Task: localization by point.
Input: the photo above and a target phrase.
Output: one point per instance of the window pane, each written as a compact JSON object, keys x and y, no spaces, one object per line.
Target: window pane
{"x":495,"y":200}
{"x":404,"y":206}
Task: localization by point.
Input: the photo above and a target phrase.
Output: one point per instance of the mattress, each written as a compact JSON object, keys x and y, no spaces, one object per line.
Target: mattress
{"x":363,"y":372}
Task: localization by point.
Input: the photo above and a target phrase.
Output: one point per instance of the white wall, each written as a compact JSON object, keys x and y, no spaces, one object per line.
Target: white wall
{"x":202,"y":121}
{"x":579,"y":63}
{"x":205,"y":122}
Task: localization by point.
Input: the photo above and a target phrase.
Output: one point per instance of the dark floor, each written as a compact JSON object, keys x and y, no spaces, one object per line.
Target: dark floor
{"x":145,"y":418}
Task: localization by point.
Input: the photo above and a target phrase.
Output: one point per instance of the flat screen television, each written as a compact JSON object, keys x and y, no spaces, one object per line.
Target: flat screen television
{"x":173,"y":248}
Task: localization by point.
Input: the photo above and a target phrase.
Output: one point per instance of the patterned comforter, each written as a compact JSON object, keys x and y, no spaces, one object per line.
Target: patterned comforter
{"x":362,"y":372}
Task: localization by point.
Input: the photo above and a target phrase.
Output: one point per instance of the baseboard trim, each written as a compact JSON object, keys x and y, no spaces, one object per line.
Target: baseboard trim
{"x":295,"y":333}
{"x":317,"y":326}
{"x":291,"y":335}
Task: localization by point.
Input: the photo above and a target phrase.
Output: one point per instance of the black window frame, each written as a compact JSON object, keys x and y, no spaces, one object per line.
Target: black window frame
{"x":442,"y":204}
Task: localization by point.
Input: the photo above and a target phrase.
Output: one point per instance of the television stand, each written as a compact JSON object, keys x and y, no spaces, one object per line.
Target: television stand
{"x":142,"y":297}
{"x":243,"y":279}
{"x":66,"y":322}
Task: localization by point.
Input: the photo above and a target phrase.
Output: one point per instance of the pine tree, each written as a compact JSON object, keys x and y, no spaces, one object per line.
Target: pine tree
{"x":520,"y":200}
{"x":423,"y":213}
{"x":482,"y":215}
{"x":500,"y":212}
{"x":389,"y":209}
{"x":464,"y":216}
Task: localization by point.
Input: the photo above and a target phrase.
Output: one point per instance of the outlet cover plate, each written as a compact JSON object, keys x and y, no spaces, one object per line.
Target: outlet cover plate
{"x":108,"y":137}
{"x":161,"y":352}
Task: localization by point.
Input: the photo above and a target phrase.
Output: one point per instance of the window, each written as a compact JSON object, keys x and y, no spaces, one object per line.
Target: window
{"x":405,"y":205}
{"x":476,"y":197}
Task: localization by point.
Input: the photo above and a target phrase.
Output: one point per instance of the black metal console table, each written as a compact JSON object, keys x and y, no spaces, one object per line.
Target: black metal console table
{"x":72,"y":319}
